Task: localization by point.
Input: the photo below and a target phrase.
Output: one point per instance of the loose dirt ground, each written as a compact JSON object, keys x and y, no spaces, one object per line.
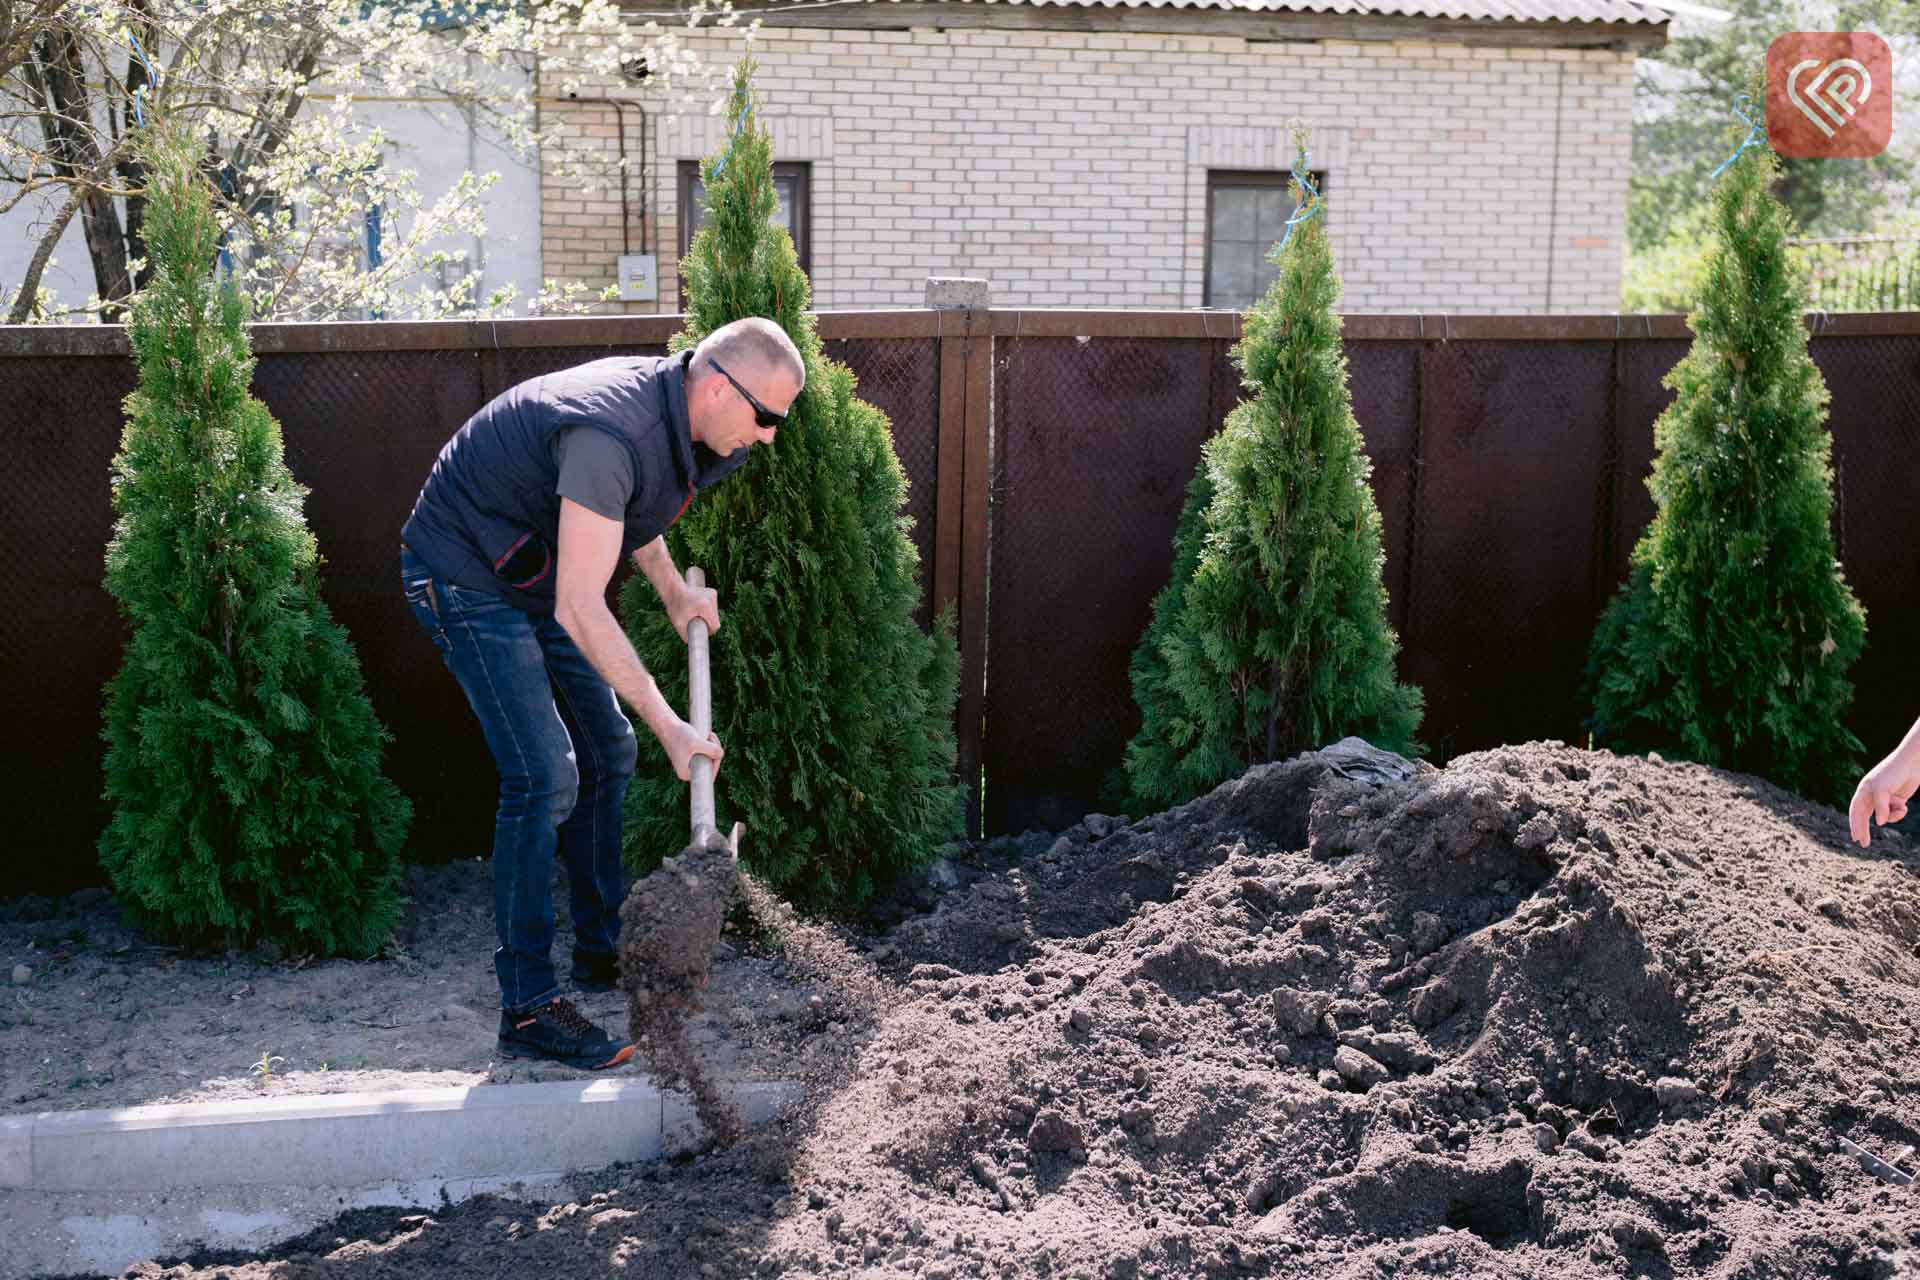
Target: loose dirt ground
{"x":106,"y":1019}
{"x":1545,"y":1013}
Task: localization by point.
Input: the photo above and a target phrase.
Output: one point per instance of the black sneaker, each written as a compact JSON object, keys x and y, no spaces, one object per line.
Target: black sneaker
{"x":596,"y":973}
{"x":559,"y":1032}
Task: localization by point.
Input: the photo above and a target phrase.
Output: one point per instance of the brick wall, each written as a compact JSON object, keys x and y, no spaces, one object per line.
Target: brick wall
{"x":1070,"y":169}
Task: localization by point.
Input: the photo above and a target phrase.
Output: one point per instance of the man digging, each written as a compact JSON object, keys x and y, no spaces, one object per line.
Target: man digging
{"x":505,"y":563}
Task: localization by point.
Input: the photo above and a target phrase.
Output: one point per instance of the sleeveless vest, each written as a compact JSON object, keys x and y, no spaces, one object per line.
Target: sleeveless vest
{"x":488,"y":517}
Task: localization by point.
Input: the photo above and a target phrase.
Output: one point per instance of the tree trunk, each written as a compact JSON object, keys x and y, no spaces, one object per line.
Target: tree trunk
{"x":66,"y":120}
{"x":37,"y":265}
{"x":132,"y":170}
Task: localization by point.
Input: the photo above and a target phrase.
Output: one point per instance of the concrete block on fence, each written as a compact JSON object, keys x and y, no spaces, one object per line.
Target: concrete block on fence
{"x":948,"y":293}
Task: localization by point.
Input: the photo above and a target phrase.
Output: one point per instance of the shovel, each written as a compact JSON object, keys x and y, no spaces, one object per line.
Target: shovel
{"x":673,"y":917}
{"x":700,"y":716}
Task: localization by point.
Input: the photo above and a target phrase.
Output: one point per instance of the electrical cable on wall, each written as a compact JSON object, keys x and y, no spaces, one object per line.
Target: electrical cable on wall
{"x":626,"y":217}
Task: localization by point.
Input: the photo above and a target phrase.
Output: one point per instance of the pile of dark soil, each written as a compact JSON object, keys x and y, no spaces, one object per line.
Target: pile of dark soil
{"x":1545,"y":1013}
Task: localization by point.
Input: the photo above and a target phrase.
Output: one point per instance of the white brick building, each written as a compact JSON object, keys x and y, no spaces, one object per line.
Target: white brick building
{"x":1092,"y":153}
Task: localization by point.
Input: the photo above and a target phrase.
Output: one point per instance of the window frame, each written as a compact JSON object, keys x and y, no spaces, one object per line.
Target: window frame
{"x":800,"y":171}
{"x":1217,"y":178}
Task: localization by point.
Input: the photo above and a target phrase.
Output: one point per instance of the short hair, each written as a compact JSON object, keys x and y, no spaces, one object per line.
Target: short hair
{"x":752,"y":343}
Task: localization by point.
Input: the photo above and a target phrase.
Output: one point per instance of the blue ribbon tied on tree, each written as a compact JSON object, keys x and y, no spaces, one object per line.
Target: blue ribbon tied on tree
{"x":1310,"y":201}
{"x":738,"y":126}
{"x":153,"y":78}
{"x":1755,"y":132}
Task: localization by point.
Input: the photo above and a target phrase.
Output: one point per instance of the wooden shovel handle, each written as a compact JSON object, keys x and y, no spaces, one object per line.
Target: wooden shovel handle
{"x":700,"y":698}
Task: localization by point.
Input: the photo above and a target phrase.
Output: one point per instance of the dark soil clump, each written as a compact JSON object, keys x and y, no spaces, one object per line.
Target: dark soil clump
{"x":669,"y":925}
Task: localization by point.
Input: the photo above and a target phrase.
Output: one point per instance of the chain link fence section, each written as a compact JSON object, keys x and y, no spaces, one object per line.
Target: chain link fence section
{"x":901,"y":378}
{"x":1382,"y":378}
{"x":61,"y":631}
{"x":1095,"y":442}
{"x":510,"y":366}
{"x":362,"y":430}
{"x":1874,"y":415}
{"x":1501,"y":597}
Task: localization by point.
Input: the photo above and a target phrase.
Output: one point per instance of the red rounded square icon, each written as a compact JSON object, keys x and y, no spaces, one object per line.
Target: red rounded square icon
{"x":1829,"y":93}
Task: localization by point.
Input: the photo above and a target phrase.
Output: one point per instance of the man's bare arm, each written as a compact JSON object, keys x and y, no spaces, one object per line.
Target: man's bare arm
{"x":683,"y":603}
{"x":655,"y":561}
{"x":589,"y":550}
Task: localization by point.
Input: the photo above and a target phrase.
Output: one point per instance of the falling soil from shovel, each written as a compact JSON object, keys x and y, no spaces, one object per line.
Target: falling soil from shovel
{"x":672,"y":920}
{"x":668,"y":927}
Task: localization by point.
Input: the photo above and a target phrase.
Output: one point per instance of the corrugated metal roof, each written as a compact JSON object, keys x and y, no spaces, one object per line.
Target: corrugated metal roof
{"x":1623,"y":11}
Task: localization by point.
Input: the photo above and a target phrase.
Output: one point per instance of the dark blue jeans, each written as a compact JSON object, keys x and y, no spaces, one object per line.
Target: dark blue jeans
{"x":565,"y":752}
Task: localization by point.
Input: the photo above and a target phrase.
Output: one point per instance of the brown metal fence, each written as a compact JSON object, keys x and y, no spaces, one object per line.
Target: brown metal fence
{"x":1048,"y":455}
{"x":364,"y":410}
{"x":1510,"y":456}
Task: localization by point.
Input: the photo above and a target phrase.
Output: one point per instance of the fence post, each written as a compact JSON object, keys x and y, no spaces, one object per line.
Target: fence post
{"x":1608,"y":567}
{"x":960,"y":510}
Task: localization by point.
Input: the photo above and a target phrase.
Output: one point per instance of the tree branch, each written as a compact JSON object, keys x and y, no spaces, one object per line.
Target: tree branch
{"x":133,"y":170}
{"x":270,"y":127}
{"x":43,"y":252}
{"x":76,"y":151}
{"x":19,"y":31}
{"x":37,"y":265}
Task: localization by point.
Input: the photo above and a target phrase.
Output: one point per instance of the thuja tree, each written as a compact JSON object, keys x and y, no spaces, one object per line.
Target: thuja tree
{"x":1272,"y":637}
{"x":836,"y":709}
{"x":243,"y":770}
{"x":1730,"y":641}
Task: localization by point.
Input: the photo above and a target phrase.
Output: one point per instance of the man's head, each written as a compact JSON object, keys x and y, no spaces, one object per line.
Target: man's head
{"x":742,"y":381}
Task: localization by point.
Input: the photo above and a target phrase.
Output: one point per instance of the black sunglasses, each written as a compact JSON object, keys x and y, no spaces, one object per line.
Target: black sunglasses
{"x":762,"y":415}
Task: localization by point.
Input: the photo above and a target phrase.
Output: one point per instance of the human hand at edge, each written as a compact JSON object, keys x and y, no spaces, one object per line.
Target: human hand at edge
{"x":1882,"y":795}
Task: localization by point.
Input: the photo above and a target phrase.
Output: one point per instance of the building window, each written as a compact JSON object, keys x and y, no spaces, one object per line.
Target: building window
{"x":1247,"y":212}
{"x":794,"y":210}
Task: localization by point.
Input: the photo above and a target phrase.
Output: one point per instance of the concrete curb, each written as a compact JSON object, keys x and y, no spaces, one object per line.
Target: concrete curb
{"x":245,"y":1174}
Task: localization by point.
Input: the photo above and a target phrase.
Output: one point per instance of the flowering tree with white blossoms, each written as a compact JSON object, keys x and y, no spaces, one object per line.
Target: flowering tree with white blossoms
{"x":271,"y":86}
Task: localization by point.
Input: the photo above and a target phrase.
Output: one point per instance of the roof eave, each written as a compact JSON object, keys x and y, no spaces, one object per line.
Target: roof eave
{"x":1284,"y":26}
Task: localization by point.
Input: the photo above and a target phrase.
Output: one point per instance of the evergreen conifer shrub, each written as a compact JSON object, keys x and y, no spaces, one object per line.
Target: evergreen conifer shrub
{"x":1271,"y":637}
{"x":835,"y":708}
{"x":1730,"y":641}
{"x":243,"y":770}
